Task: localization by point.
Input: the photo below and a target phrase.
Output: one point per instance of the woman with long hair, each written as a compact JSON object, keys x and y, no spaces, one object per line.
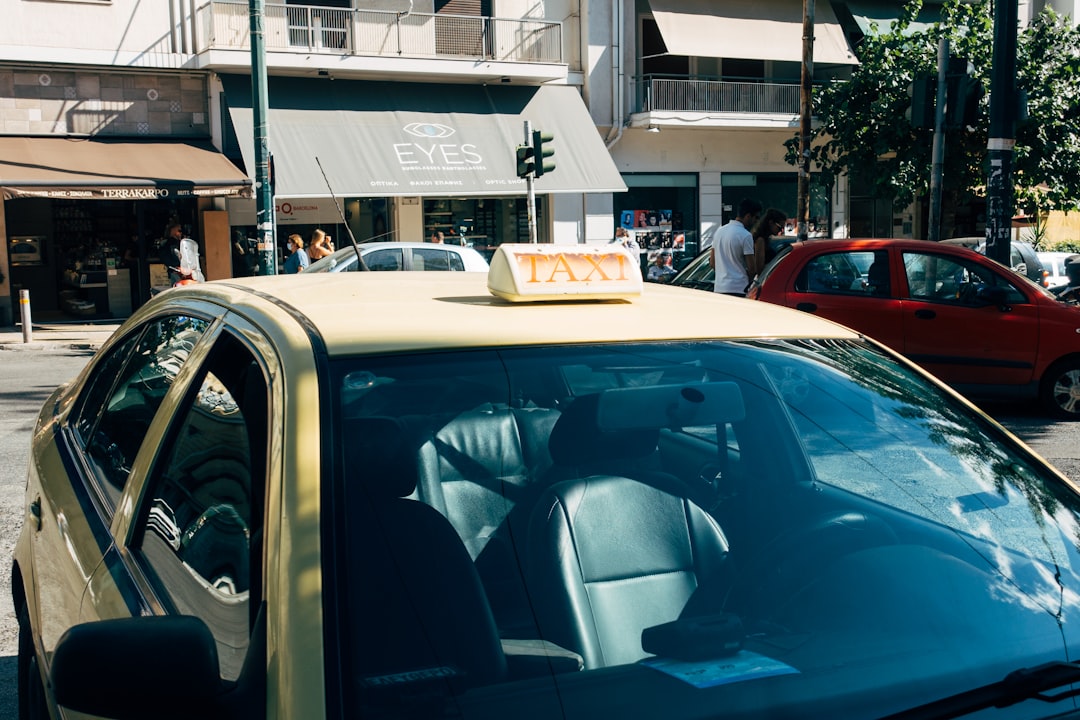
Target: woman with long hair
{"x":770,"y":223}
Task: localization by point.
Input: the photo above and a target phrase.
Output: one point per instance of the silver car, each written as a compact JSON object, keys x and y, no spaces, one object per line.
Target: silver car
{"x":403,"y":256}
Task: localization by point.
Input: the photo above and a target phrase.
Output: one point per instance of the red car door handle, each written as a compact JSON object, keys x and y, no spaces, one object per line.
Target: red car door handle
{"x":806,"y":306}
{"x":925,"y":314}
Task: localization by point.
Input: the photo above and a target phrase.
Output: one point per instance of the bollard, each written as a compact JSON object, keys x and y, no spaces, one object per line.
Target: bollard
{"x":24,"y":310}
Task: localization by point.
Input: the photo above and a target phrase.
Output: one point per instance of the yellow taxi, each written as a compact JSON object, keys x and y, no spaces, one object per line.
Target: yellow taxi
{"x":545,"y":491}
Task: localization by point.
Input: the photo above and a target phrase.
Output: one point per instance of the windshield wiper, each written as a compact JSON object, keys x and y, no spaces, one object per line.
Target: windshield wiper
{"x":1018,"y":686}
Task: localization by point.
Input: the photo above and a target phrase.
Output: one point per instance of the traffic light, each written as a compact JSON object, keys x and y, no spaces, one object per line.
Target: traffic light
{"x":542,"y":150}
{"x":963,"y":95}
{"x":923,"y":96}
{"x":525,"y":162}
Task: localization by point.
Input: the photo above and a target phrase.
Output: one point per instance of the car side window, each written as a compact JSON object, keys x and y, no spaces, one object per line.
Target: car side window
{"x":430,"y":259}
{"x":198,"y":536}
{"x":835,"y":273}
{"x":947,"y":279}
{"x":385,"y":259}
{"x":125,"y":392}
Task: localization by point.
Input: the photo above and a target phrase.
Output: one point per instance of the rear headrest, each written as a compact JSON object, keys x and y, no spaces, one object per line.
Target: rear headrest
{"x":381,"y":453}
{"x":625,"y":422}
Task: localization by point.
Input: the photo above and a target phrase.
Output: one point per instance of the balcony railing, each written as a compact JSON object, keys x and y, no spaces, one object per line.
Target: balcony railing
{"x":717,"y":96}
{"x":225,"y":25}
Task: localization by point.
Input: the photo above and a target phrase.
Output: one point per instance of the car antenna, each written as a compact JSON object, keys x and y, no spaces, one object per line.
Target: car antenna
{"x":360,"y":264}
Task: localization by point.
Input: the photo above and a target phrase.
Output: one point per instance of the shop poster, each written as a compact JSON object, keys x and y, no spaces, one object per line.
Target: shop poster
{"x":655,"y":230}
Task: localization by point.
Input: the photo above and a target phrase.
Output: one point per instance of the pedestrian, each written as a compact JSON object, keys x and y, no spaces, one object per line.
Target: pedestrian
{"x":180,"y":255}
{"x":769,"y":224}
{"x":437,"y":236}
{"x":320,"y":246}
{"x":732,"y":253}
{"x":661,"y":269}
{"x":626,"y":239}
{"x":298,"y":259}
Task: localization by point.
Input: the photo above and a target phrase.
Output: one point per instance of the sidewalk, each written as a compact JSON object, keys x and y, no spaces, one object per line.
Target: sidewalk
{"x":57,"y":336}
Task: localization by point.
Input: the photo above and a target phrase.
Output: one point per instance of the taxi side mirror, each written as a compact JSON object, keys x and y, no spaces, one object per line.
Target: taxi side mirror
{"x":168,"y":665}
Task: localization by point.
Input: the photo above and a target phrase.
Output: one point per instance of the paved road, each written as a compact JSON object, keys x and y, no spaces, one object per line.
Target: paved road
{"x":27,"y":378}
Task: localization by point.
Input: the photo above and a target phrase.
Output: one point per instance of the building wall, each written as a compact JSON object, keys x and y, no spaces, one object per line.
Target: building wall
{"x":119,"y":32}
{"x":51,"y":100}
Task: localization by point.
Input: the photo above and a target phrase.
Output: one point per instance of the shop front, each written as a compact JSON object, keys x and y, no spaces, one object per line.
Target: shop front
{"x":406,"y":160}
{"x":82,"y":220}
{"x":660,"y":212}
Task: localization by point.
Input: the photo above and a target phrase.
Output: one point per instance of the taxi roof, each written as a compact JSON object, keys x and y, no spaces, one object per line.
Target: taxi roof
{"x":359,"y":313}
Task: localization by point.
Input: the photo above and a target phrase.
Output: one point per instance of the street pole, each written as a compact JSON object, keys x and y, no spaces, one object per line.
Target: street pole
{"x":529,"y":185}
{"x":805,"y":108}
{"x":938,"y":151}
{"x":264,"y":197}
{"x":1002,"y":136}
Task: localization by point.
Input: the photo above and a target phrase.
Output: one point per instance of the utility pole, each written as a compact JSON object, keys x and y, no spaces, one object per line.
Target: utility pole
{"x":1002,"y":137}
{"x":805,"y":108}
{"x":264,"y":196}
{"x":531,"y":192}
{"x":938,"y":150}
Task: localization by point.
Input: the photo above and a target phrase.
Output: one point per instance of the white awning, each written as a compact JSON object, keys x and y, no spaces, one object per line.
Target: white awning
{"x":382,"y":139}
{"x":749,"y":30}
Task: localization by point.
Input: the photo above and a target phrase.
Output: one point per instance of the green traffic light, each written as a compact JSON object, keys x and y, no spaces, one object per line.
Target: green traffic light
{"x":542,"y":150}
{"x":525,"y":163}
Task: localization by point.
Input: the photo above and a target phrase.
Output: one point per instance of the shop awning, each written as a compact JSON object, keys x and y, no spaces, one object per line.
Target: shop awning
{"x":382,"y":139}
{"x":749,"y":30}
{"x":884,"y":13}
{"x":86,"y":169}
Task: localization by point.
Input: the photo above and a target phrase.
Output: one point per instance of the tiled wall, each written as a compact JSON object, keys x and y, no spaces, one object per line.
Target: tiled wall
{"x":48,"y":101}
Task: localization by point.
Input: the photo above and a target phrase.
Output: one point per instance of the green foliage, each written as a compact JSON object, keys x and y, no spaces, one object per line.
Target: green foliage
{"x":1048,"y":143}
{"x":862,"y":131}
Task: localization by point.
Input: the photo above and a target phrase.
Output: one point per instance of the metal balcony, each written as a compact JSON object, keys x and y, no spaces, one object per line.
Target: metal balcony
{"x":225,"y":25}
{"x":716,"y":96}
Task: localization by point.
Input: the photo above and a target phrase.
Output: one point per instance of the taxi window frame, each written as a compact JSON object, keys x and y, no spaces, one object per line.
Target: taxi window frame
{"x":108,"y":501}
{"x":137,"y":498}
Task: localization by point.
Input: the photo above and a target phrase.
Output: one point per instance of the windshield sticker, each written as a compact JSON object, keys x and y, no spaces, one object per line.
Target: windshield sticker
{"x":744,"y":665}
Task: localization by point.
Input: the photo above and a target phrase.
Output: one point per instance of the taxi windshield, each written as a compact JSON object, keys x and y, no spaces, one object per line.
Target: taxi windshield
{"x":780,"y":528}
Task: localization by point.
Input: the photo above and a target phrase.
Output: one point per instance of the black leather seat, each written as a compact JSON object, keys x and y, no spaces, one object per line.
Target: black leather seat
{"x":611,"y":556}
{"x":417,"y":608}
{"x":622,"y":545}
{"x":580,"y":448}
{"x":480,"y":470}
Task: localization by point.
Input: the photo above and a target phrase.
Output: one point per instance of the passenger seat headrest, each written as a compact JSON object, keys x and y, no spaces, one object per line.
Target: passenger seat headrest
{"x":625,"y":423}
{"x":381,"y":453}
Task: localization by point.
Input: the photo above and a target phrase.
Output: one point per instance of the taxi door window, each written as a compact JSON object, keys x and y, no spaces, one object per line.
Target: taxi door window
{"x":199,"y":532}
{"x":125,"y":393}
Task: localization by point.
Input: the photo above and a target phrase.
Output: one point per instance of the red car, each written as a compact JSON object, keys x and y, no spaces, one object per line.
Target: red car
{"x":980,"y":327}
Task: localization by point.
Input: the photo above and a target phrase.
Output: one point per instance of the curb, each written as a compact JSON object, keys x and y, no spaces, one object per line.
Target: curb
{"x":46,"y":346}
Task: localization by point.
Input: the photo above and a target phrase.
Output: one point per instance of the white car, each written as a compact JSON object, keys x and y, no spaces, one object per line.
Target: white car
{"x":403,"y":256}
{"x":1054,"y":264}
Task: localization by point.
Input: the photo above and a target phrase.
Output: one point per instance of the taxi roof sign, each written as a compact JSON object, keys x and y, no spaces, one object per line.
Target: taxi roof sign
{"x":537,"y":273}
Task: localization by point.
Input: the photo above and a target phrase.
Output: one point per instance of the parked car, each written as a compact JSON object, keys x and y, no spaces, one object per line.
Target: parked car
{"x":1022,"y":256}
{"x":550,"y":491}
{"x":698,"y":274}
{"x":1054,"y":265}
{"x":985,"y":331}
{"x":403,"y":256}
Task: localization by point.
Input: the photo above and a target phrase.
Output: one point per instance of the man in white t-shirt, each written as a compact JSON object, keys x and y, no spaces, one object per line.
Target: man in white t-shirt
{"x":732,"y":251}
